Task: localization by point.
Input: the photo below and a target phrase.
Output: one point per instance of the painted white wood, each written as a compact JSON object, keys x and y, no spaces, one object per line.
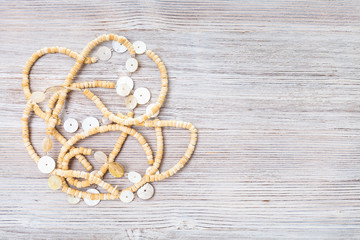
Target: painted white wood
{"x":272,"y":86}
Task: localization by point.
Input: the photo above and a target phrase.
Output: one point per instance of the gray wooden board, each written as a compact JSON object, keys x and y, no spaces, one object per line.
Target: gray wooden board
{"x":272,"y":86}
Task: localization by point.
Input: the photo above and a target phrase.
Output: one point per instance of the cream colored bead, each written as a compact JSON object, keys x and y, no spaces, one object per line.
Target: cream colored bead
{"x":47,"y":144}
{"x":126,"y":196}
{"x":71,"y":125}
{"x":139,"y":47}
{"x":123,"y":89}
{"x":145,"y":192}
{"x":100,"y":157}
{"x":54,"y":182}
{"x":118,"y":47}
{"x":126,"y":80}
{"x":46,"y":164}
{"x":131,"y":102}
{"x":142,"y":95}
{"x":89,"y":123}
{"x":131,"y":64}
{"x":134,"y":177}
{"x":104,"y":53}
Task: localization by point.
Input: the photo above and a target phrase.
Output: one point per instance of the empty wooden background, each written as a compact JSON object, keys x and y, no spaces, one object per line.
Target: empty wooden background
{"x":272,"y":86}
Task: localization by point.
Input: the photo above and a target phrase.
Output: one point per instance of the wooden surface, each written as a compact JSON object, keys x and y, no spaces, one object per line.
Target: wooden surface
{"x":272,"y":86}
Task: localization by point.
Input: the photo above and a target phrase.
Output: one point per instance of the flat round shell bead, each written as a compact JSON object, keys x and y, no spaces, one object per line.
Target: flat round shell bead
{"x":126,"y":80}
{"x":148,"y":110}
{"x":73,"y":200}
{"x":89,"y":122}
{"x":131,"y":102}
{"x":104,"y":53}
{"x":134,"y":177}
{"x":118,"y":47}
{"x":142,"y":95}
{"x":54,"y":182}
{"x":146,"y":191}
{"x":123,"y":89}
{"x":131,"y":64}
{"x":46,"y":164}
{"x":126,"y":196}
{"x":71,"y":125}
{"x":139,"y":47}
{"x":92,"y":202}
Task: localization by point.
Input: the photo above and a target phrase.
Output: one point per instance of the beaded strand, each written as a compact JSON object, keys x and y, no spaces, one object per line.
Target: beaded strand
{"x":120,"y":122}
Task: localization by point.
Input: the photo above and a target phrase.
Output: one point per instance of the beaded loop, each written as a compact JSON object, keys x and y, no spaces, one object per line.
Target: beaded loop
{"x":120,"y":123}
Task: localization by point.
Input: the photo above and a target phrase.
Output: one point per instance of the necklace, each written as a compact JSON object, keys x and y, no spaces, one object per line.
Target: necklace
{"x":70,"y":180}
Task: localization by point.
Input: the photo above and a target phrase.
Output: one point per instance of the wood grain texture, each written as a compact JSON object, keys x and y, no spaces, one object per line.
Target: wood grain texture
{"x":272,"y":86}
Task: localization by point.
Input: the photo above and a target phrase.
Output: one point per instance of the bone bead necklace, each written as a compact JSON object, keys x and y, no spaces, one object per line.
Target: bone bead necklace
{"x":60,"y":174}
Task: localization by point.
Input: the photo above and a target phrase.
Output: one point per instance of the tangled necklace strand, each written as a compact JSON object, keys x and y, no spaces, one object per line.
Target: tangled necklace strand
{"x":60,"y":174}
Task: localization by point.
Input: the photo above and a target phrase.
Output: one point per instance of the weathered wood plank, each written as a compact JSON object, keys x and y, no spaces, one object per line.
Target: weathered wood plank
{"x":272,"y":87}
